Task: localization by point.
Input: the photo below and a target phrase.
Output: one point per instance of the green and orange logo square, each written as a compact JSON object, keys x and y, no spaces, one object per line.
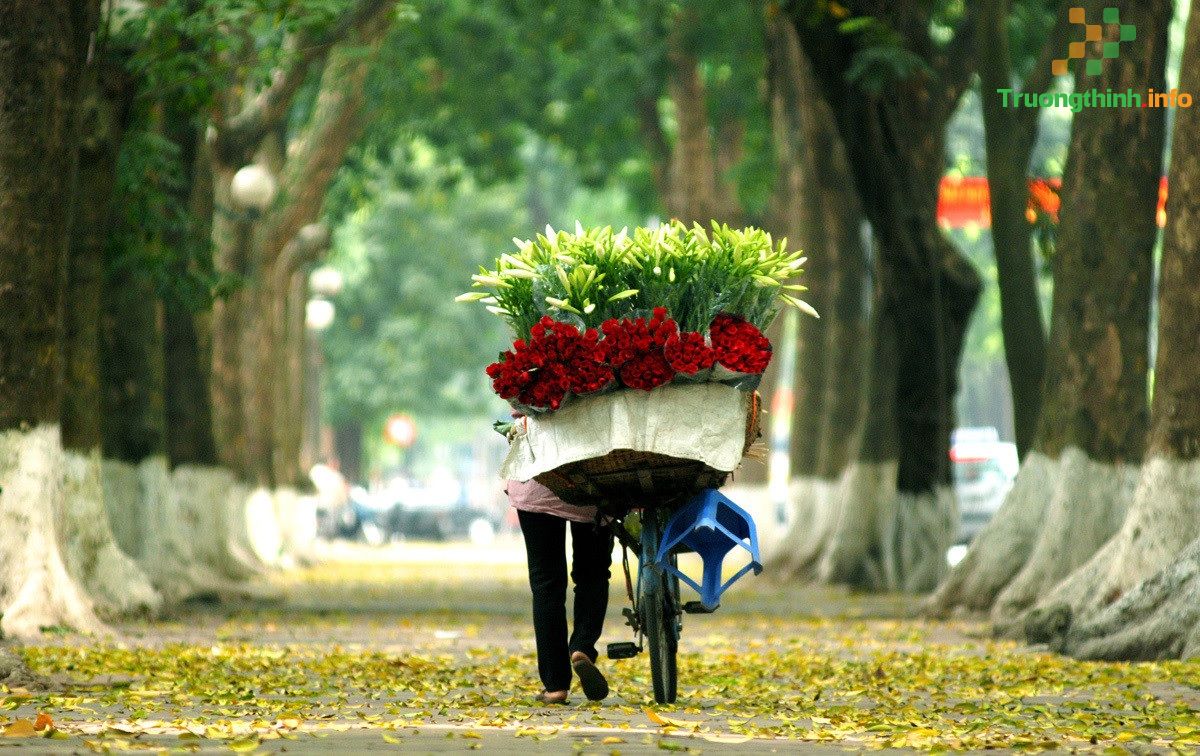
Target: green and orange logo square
{"x":1094,"y":33}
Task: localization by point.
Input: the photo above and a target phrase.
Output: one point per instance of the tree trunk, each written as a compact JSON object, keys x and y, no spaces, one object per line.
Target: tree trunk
{"x":132,"y":367}
{"x":249,"y":331}
{"x":893,"y":138}
{"x":692,"y":173}
{"x":43,"y":46}
{"x":1091,"y":434}
{"x":111,"y":578}
{"x":1114,"y":616}
{"x":187,"y":358}
{"x":231,"y":239}
{"x":1009,"y":144}
{"x":820,"y":213}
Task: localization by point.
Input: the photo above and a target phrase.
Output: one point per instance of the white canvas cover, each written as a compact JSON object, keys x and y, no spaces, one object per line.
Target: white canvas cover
{"x":702,"y":421}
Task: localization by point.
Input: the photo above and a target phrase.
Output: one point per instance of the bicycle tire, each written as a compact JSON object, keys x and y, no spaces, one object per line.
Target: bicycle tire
{"x":657,"y":602}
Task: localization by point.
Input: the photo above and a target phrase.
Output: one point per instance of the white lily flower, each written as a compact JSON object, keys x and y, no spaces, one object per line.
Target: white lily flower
{"x":801,"y":305}
{"x":471,"y":296}
{"x":497,"y":310}
{"x":516,"y":262}
{"x":520,"y":273}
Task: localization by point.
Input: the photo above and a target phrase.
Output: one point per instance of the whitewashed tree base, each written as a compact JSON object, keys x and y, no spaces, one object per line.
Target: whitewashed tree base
{"x":1088,"y":503}
{"x":859,"y":531}
{"x":296,"y":516}
{"x":1157,"y":619}
{"x":113,"y":580}
{"x":36,"y":591}
{"x":214,"y":502}
{"x":122,"y":497}
{"x":192,"y":528}
{"x":1003,"y":546}
{"x":1163,"y":519}
{"x":811,"y":506}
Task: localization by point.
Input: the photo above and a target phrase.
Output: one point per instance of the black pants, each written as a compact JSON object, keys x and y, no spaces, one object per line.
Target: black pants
{"x":546,"y":547}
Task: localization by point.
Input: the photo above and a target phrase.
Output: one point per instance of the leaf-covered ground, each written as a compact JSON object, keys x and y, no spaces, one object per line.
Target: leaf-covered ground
{"x":434,"y":653}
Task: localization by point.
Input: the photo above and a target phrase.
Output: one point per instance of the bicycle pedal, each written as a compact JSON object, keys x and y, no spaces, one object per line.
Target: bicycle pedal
{"x":697,"y":607}
{"x":623,"y":650}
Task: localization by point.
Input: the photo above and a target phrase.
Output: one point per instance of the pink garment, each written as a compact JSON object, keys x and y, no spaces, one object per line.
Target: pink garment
{"x":532,"y":496}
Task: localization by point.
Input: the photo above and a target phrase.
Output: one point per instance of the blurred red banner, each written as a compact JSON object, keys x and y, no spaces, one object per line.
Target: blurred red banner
{"x":965,"y":201}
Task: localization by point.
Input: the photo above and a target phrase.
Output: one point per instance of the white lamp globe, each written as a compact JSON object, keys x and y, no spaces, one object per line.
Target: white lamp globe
{"x":253,"y":188}
{"x":318,"y":314}
{"x":325,"y":281}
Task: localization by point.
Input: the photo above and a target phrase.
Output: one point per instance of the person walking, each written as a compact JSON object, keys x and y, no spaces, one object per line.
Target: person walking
{"x":544,"y":520}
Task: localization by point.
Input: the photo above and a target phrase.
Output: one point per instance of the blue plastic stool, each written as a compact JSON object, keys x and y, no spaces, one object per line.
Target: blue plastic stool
{"x":710,"y":525}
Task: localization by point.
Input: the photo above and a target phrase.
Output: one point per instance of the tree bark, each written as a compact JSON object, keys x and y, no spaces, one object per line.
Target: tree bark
{"x":43,"y":61}
{"x":692,"y":172}
{"x":248,"y":331}
{"x":186,"y":351}
{"x":348,"y":447}
{"x":1104,"y":612}
{"x":1092,"y":430}
{"x":132,"y":367}
{"x":820,"y":212}
{"x":1009,"y":140}
{"x":105,"y":104}
{"x":893,"y":138}
{"x":800,"y":130}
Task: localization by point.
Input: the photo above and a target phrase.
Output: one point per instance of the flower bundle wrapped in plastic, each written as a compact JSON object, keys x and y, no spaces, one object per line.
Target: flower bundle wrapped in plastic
{"x":596,"y":310}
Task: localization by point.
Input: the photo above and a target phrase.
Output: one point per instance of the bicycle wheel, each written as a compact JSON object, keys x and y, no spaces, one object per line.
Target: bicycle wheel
{"x":657,"y":601}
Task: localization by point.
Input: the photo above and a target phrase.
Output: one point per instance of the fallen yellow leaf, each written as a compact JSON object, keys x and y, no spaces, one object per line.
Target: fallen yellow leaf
{"x":655,"y":718}
{"x":21,"y":728}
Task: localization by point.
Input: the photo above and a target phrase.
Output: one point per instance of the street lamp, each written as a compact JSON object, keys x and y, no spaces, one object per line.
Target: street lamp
{"x":326,"y":281}
{"x":318,"y":314}
{"x":253,"y":188}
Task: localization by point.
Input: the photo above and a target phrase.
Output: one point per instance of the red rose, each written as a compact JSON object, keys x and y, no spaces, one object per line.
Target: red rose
{"x":555,"y":360}
{"x":739,"y":345}
{"x":688,"y":353}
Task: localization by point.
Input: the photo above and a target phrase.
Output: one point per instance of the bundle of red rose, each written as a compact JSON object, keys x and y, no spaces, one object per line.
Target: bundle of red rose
{"x":558,"y":359}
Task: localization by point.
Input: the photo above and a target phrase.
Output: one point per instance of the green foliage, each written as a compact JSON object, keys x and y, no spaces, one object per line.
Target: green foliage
{"x":591,"y":276}
{"x":398,"y":342}
{"x":475,"y":79}
{"x":181,"y":57}
{"x":880,"y":58}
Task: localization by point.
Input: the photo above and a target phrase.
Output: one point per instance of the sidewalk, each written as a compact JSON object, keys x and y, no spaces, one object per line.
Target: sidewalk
{"x":434,"y":653}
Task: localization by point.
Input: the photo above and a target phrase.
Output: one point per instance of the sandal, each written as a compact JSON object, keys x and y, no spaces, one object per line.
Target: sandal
{"x":546,"y":698}
{"x":595,"y":687}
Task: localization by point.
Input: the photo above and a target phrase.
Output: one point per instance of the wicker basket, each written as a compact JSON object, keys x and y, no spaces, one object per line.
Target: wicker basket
{"x":624,"y":477}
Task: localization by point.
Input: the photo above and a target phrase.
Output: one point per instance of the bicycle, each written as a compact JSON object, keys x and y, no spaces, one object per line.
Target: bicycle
{"x":685,"y":513}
